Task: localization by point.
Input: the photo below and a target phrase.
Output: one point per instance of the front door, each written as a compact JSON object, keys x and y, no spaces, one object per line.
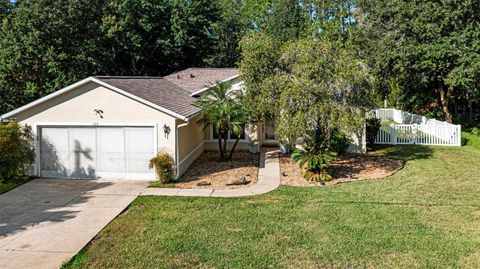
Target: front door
{"x":269,"y":137}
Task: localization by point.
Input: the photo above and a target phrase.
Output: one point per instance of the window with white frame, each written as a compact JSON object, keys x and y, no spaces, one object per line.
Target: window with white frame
{"x":231,"y":136}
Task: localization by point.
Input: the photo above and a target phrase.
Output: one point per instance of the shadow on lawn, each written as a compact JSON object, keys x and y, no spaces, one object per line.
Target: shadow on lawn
{"x":405,"y":152}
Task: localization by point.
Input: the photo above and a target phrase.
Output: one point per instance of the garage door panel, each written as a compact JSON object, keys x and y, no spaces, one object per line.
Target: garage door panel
{"x":97,"y":152}
{"x":55,"y":164}
{"x":54,"y":150}
{"x":110,"y":140}
{"x":83,"y":140}
{"x":139,"y":140}
{"x":111,"y":150}
{"x":137,"y":162}
{"x":139,"y":147}
{"x":82,"y":152}
{"x":54,"y":139}
{"x":110,"y":162}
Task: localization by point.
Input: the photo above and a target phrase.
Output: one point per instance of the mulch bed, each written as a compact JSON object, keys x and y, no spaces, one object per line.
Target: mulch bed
{"x":207,"y":169}
{"x":346,"y":168}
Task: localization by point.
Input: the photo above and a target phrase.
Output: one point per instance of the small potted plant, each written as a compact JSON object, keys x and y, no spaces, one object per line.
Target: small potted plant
{"x":253,"y":143}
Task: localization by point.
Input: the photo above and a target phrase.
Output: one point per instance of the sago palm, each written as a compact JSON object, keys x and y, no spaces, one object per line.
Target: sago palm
{"x":316,"y":164}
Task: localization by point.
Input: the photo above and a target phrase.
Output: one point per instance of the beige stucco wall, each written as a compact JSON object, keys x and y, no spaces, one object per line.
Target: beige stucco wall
{"x":76,"y":107}
{"x":190,"y":142}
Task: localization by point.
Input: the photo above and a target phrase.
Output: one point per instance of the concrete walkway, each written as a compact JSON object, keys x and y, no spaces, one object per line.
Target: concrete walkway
{"x":46,"y":222}
{"x":268,"y":180}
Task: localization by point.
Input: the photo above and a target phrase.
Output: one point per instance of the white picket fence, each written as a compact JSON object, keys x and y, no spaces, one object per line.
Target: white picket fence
{"x":415,"y":129}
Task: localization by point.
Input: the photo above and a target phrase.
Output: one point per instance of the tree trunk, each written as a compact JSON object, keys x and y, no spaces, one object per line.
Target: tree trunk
{"x":233,"y":149}
{"x":445,"y":95}
{"x":225,"y":146}
{"x":469,"y":107}
{"x":470,"y":110}
{"x":220,"y":147}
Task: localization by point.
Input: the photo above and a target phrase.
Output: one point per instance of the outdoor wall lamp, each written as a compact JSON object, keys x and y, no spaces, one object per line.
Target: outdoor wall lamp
{"x":166,"y":130}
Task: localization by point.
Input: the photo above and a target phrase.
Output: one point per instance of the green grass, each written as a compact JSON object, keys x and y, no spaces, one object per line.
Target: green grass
{"x":470,"y":139}
{"x":425,"y":216}
{"x":157,"y":184}
{"x":389,"y":122}
{"x":10,"y":185}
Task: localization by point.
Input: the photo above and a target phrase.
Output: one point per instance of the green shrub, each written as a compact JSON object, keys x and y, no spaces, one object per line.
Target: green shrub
{"x":469,"y":139}
{"x":317,"y":165}
{"x":16,"y":151}
{"x":339,"y":142}
{"x":475,"y":131}
{"x":373,"y":125}
{"x":163,"y":164}
{"x":436,"y":113}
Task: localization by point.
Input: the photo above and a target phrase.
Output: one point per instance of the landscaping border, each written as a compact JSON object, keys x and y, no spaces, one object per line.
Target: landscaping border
{"x":268,"y":180}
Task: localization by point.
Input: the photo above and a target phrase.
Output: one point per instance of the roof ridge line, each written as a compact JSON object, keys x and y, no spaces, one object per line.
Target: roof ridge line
{"x":130,"y":77}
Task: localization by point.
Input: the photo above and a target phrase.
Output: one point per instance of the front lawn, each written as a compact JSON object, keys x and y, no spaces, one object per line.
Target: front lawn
{"x":10,"y":185}
{"x":425,"y":216}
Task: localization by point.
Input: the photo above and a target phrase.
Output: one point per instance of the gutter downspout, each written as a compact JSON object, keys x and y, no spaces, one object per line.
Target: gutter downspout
{"x":177,"y":154}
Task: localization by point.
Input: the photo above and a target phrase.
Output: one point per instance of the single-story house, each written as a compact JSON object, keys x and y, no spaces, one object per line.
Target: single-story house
{"x":110,"y":126}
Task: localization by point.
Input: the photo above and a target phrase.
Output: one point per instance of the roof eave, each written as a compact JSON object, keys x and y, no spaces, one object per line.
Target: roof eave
{"x":82,"y":82}
{"x":213,"y":85}
{"x":190,"y":116}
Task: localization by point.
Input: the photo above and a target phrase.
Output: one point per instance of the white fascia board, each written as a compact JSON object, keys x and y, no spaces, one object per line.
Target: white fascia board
{"x":193,"y":115}
{"x":82,"y":82}
{"x":46,"y":98}
{"x":208,"y":87}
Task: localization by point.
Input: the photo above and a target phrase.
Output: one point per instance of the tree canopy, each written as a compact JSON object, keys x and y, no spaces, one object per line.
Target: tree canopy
{"x":424,"y":55}
{"x":46,"y":45}
{"x":311,"y":85}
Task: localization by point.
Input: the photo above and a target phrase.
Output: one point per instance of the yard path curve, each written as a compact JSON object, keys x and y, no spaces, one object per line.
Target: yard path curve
{"x":268,"y":180}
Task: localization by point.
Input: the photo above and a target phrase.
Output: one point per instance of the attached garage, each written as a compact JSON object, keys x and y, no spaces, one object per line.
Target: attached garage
{"x":96,"y":152}
{"x":109,"y":127}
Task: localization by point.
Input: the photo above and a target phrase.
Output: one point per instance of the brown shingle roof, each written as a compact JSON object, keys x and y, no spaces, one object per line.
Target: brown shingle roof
{"x":158,"y":91}
{"x":195,"y":79}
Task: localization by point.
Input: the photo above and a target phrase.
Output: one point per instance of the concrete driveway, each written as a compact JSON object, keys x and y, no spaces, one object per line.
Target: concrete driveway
{"x":47,"y":221}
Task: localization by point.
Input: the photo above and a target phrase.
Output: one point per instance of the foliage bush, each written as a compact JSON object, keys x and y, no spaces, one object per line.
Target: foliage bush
{"x":475,"y":131}
{"x":16,"y":151}
{"x":373,"y":125}
{"x":163,"y":164}
{"x":304,"y":88}
{"x":470,"y":139}
{"x":317,"y":165}
{"x":339,"y":142}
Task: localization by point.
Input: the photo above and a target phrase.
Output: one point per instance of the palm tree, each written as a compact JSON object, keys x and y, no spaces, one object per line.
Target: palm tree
{"x":223,"y":109}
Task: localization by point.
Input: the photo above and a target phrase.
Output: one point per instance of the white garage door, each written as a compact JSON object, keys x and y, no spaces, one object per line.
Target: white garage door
{"x":97,"y":152}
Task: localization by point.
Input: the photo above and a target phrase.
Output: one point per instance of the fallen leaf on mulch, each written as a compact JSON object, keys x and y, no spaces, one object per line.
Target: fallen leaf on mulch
{"x":346,"y":168}
{"x":207,"y":168}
